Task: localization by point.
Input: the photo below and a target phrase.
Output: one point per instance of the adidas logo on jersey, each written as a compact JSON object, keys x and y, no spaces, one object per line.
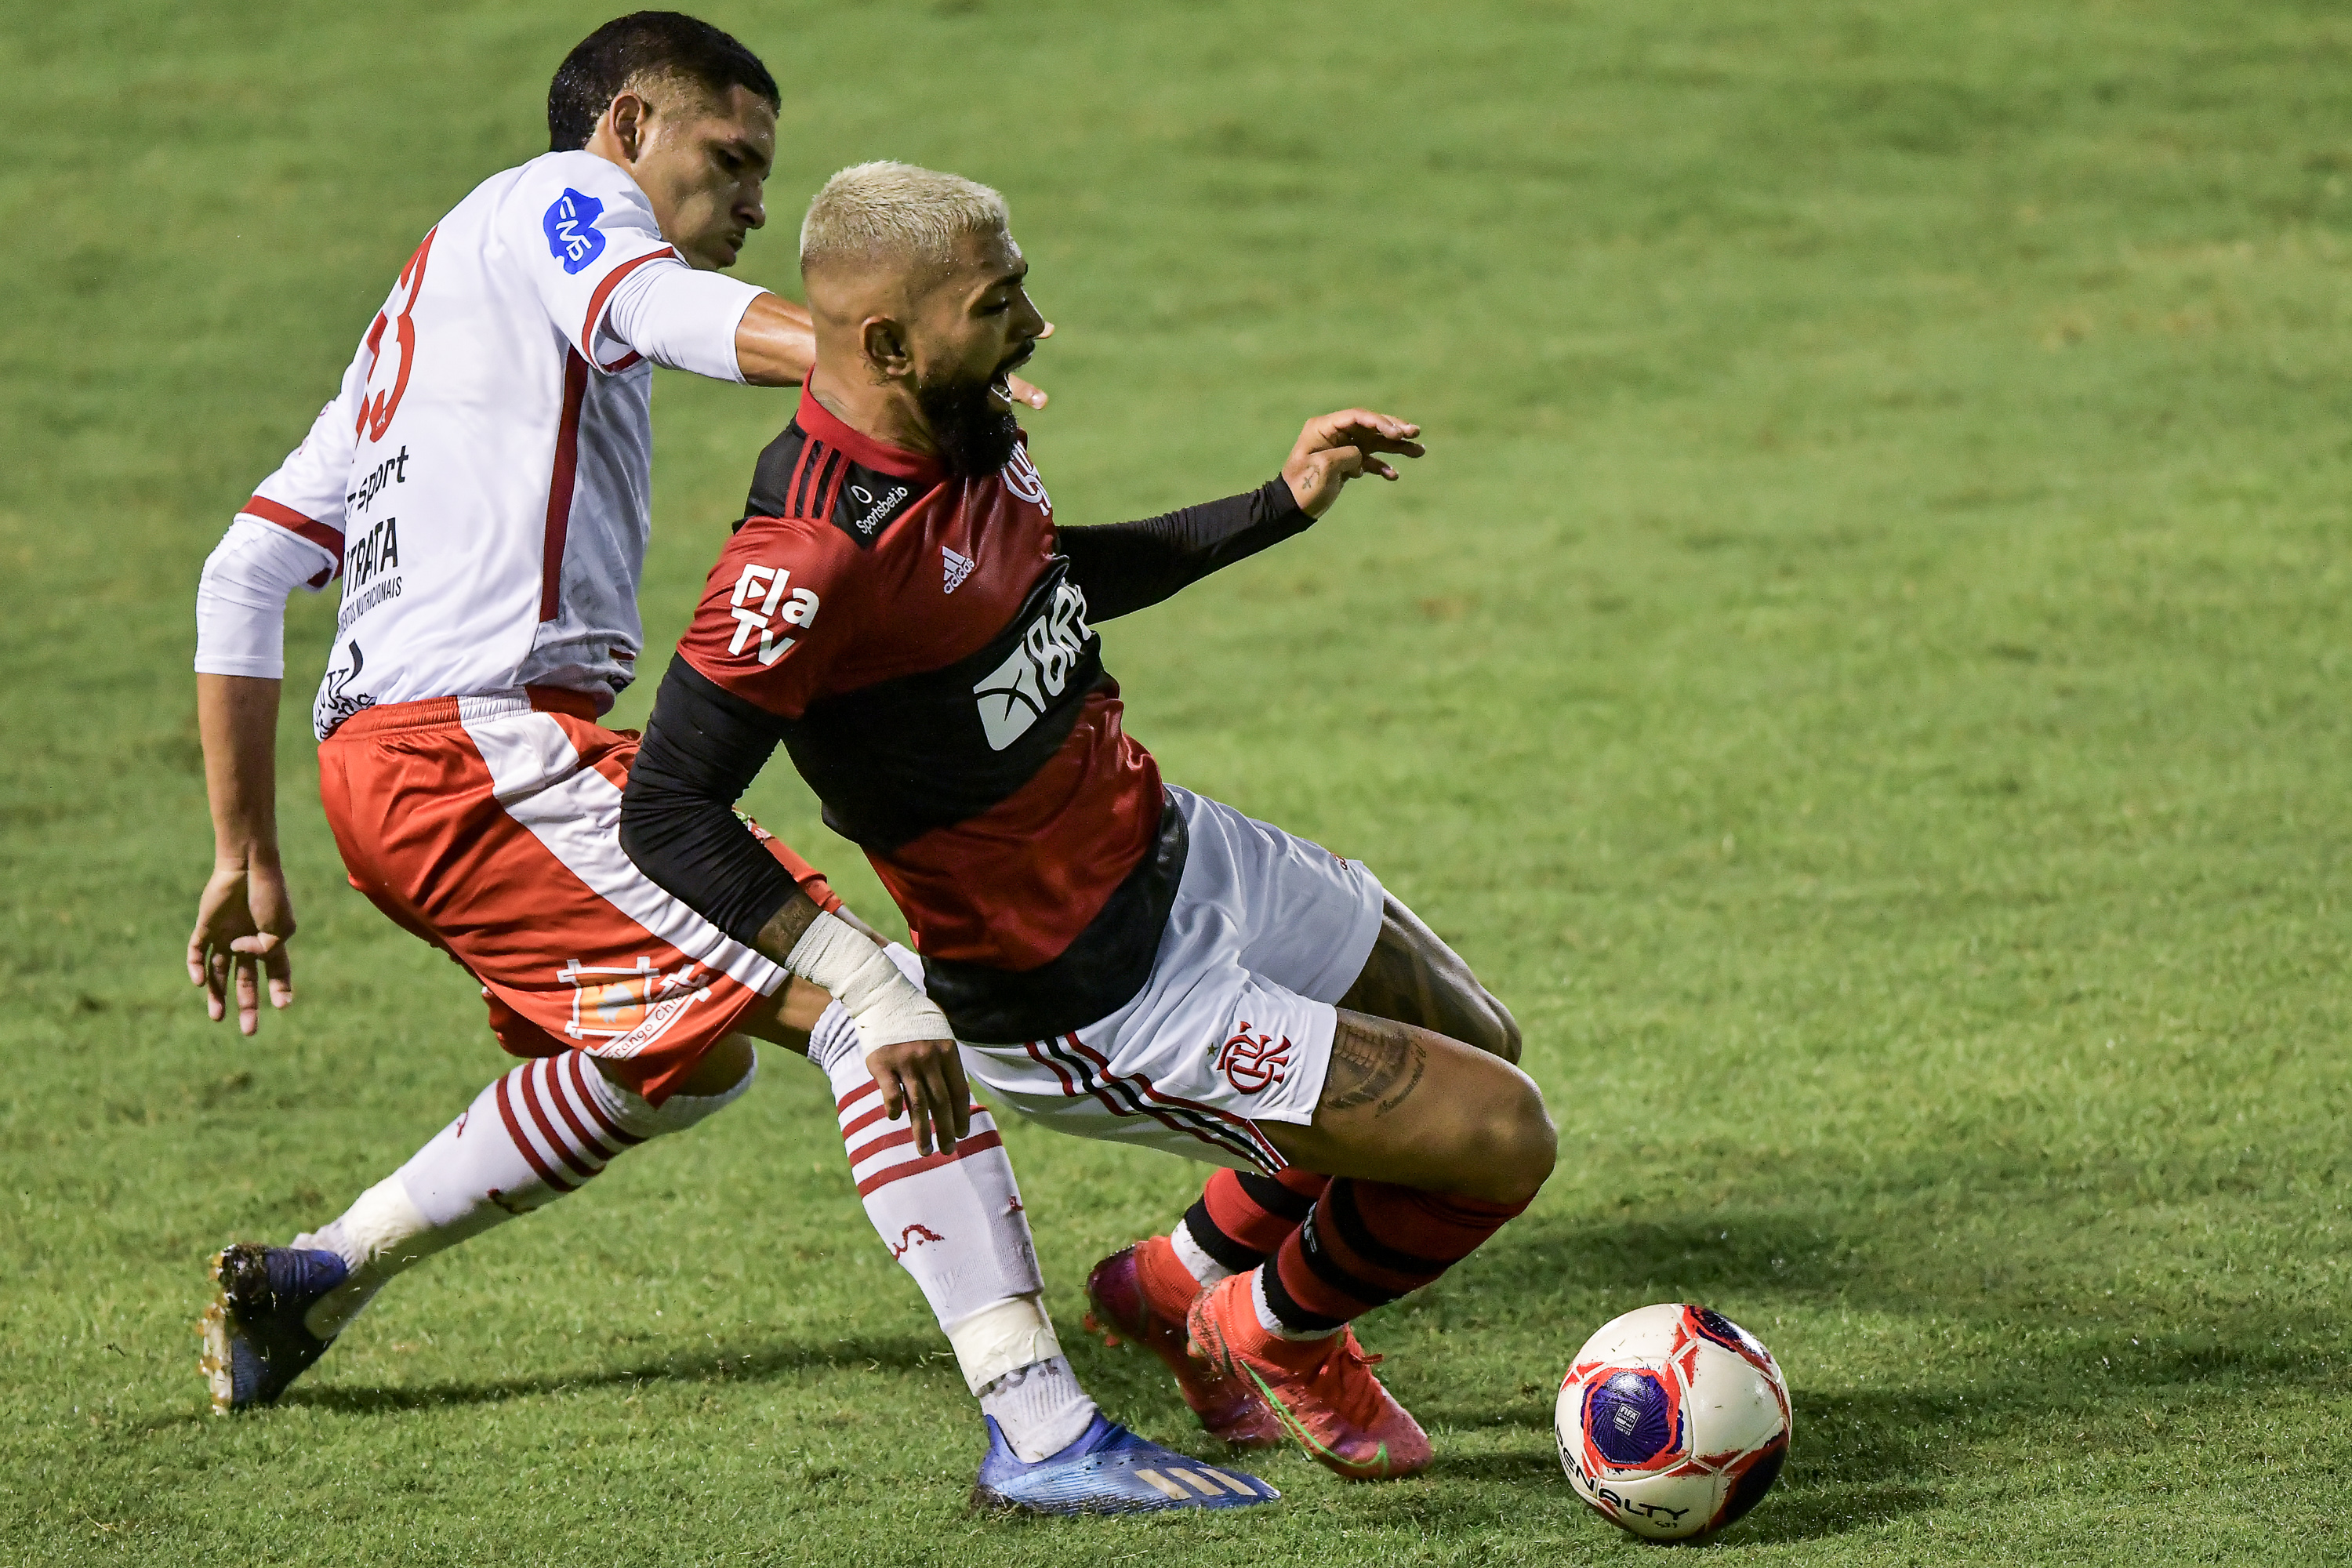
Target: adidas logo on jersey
{"x":959,"y":568}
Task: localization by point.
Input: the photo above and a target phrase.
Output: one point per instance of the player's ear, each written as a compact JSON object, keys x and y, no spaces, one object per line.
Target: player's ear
{"x":627,"y":114}
{"x":885,"y":349}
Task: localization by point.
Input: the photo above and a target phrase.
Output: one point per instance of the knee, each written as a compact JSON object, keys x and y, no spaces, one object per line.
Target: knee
{"x":1520,"y":1145}
{"x":715,"y":1082}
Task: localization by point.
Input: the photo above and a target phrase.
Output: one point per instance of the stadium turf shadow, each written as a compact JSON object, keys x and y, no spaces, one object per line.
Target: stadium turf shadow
{"x":775,"y":1360}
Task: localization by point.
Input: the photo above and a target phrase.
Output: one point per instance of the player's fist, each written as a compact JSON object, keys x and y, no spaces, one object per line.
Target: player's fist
{"x":1335,"y":448}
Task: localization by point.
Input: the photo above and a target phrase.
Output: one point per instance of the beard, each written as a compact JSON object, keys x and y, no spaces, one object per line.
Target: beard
{"x":975,"y":437}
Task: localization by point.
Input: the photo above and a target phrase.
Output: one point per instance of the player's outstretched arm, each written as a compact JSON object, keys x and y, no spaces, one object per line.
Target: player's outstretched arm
{"x":245,"y":919}
{"x":1335,"y":448}
{"x":1126,"y":567}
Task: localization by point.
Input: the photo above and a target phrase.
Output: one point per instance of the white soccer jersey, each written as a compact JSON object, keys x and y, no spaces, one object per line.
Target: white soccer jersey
{"x":483,"y":478}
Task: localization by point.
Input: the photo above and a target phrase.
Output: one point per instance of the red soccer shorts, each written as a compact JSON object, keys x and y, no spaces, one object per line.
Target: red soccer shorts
{"x":492,"y":828}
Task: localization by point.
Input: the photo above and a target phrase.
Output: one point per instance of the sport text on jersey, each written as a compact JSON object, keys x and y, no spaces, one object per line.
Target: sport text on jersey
{"x":771,"y":609}
{"x":1014,"y":695}
{"x":572,"y":237}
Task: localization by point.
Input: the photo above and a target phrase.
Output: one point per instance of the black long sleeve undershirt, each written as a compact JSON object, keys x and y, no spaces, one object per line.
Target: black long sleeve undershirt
{"x":1127,"y":567}
{"x":703,"y":745}
{"x":702,"y":749}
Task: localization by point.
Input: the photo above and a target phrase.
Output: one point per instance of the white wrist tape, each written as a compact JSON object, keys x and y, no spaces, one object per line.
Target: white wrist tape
{"x":886,"y":1008}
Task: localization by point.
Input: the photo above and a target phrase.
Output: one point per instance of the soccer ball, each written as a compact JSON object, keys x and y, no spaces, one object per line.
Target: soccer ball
{"x":1673,"y":1421}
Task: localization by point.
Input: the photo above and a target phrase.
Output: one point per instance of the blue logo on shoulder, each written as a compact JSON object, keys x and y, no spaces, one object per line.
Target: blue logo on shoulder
{"x":572,"y":237}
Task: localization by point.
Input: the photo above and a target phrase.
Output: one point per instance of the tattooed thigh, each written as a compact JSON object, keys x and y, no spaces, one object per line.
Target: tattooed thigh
{"x":1374,"y":1061}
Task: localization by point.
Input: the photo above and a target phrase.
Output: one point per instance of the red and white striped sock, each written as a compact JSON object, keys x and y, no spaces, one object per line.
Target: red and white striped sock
{"x":955,"y":1222}
{"x":543,"y":1130}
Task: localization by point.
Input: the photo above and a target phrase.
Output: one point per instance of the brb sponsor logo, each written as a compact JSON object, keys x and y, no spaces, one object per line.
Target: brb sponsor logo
{"x":1014,"y":695}
{"x":1252,"y":1063}
{"x":759,"y":605}
{"x":1021,"y":476}
{"x":572,"y":237}
{"x":619,"y":1012}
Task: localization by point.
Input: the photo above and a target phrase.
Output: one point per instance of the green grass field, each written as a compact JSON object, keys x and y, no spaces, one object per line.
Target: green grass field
{"x":1860,"y":672}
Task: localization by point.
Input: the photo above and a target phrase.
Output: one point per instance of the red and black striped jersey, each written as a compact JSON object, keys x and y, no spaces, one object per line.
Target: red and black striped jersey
{"x":927,"y":658}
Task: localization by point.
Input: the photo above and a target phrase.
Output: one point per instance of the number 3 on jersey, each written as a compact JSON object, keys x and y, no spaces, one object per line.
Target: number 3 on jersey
{"x":376,"y":412}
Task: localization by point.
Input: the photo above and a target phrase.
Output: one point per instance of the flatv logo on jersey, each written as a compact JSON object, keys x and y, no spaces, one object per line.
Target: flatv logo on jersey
{"x":1014,"y":695}
{"x":767,"y":585}
{"x":958,"y":567}
{"x":1021,"y":476}
{"x":1253,"y":1063}
{"x":572,"y":237}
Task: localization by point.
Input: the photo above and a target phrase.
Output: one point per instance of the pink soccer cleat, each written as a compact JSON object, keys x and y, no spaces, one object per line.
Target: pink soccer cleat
{"x":1143,"y":1292}
{"x":1322,"y":1391}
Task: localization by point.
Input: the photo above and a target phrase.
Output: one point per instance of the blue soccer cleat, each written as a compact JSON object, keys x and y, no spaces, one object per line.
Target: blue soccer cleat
{"x":255,"y":1342}
{"x":1108,"y":1469}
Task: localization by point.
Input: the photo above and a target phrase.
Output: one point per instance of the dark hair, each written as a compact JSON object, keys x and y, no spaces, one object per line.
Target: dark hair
{"x":630,"y":49}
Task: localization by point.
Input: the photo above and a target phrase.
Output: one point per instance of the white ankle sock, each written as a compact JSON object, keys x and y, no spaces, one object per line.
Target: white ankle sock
{"x":1204,"y":1269}
{"x":536,"y":1133}
{"x":1040,"y":1407}
{"x":1265,"y":1317}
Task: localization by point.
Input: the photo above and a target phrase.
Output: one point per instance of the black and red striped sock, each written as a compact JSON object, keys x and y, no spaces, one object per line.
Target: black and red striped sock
{"x":1242,"y":1217}
{"x":1365,"y":1243}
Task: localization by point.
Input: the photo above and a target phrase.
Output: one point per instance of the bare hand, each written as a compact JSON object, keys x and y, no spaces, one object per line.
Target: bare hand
{"x":924,"y":1079}
{"x":243,"y":923}
{"x":1335,"y":448}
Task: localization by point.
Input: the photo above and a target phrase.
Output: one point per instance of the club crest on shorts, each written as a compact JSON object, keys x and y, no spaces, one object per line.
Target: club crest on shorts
{"x":619,"y":1012}
{"x":1253,"y":1063}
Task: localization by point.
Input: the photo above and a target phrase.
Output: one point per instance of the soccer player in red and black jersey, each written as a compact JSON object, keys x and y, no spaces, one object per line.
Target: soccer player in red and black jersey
{"x":1117,"y":956}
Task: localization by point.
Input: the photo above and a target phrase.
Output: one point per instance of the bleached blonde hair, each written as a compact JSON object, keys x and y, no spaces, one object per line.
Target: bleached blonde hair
{"x":889,"y":212}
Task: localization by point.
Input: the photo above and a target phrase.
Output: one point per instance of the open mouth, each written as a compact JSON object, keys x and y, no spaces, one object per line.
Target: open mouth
{"x":1001,"y":385}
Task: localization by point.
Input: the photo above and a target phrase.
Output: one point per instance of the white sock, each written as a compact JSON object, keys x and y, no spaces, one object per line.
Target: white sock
{"x":1204,"y":1269}
{"x":1265,"y":1317}
{"x":955,"y":1222}
{"x":536,"y":1133}
{"x":1040,"y":1408}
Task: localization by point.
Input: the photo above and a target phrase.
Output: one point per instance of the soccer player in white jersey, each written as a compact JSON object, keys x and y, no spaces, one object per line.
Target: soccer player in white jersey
{"x":481,"y":483}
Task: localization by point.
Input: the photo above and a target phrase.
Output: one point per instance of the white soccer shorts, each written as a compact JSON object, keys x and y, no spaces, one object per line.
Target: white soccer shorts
{"x":1234,"y":1025}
